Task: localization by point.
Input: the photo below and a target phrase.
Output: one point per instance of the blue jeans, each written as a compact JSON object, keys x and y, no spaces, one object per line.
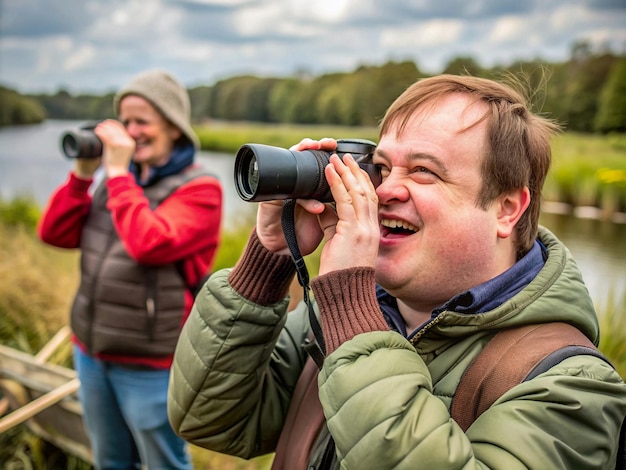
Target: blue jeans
{"x":125,"y":413}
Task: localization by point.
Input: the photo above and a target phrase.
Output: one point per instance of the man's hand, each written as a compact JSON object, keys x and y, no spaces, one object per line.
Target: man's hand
{"x":353,"y":234}
{"x":308,"y":231}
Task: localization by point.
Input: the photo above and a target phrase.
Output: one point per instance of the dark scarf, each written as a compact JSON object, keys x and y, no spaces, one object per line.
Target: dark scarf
{"x":182,"y":156}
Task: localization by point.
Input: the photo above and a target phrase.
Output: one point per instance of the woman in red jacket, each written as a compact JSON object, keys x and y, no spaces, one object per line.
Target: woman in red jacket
{"x":148,"y":234}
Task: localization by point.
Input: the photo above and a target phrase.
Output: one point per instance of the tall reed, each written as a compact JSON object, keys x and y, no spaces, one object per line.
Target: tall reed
{"x":589,"y":170}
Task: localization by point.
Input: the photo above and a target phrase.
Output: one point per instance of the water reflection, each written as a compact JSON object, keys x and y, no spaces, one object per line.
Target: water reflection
{"x":599,"y":248}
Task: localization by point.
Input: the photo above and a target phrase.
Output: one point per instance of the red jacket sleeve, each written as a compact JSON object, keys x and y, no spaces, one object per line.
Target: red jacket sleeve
{"x":187,"y":222}
{"x":185,"y":226}
{"x":61,"y":223}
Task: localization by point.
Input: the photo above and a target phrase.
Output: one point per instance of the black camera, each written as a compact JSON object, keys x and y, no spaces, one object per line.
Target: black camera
{"x":266,"y":173}
{"x":81,"y":142}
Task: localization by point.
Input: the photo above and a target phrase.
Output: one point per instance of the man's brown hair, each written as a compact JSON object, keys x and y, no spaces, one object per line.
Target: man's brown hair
{"x":518,"y":150}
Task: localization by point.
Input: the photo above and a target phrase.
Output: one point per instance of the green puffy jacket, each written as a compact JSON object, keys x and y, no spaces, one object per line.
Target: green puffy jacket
{"x":386,"y":400}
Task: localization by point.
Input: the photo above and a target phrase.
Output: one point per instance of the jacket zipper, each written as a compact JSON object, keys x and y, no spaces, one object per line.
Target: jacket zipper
{"x":92,"y":294}
{"x":417,"y":336}
{"x":151,"y":283}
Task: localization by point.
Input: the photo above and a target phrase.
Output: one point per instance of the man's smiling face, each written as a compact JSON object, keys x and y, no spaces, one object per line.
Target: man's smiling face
{"x":435,"y":240}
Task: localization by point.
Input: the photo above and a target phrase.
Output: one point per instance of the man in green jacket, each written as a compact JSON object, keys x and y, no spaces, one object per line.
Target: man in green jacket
{"x":415,"y":277}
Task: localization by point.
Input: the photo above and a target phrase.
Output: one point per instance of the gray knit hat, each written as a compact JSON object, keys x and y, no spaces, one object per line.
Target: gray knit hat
{"x":166,"y":94}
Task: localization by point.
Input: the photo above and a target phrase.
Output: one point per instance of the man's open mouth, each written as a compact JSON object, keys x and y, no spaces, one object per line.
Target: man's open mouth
{"x":397,"y":227}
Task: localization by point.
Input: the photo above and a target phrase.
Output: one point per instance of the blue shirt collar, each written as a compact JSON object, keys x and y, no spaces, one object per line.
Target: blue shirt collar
{"x":481,"y":298}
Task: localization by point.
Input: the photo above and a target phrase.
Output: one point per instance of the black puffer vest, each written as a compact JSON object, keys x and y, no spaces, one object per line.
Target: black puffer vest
{"x":122,"y":307}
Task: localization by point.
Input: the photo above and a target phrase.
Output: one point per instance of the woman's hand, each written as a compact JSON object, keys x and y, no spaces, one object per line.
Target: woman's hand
{"x":118,"y":147}
{"x":85,"y":168}
{"x":309,"y":234}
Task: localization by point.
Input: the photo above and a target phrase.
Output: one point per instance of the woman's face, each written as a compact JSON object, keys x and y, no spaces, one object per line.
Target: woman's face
{"x":153,"y":134}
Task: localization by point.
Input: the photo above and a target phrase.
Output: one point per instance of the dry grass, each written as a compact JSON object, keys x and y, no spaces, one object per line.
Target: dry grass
{"x":613,"y":333}
{"x":37,"y":284}
{"x":207,"y":460}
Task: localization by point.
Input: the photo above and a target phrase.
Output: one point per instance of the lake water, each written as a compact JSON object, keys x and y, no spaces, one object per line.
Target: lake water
{"x":31,"y":164}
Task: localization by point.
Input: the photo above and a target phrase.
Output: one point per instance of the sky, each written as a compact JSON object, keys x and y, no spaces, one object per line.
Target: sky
{"x":96,"y":46}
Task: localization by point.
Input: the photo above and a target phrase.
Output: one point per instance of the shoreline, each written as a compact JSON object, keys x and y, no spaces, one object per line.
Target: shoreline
{"x":582,"y":212}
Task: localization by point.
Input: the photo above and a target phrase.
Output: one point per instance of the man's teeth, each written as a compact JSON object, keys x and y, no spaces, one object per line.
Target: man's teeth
{"x":394,"y":224}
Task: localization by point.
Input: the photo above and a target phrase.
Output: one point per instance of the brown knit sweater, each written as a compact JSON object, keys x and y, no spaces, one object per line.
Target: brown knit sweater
{"x":346,"y":298}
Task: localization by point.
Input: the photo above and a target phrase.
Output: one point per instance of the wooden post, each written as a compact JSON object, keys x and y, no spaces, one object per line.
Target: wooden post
{"x":45,"y":401}
{"x":44,"y":354}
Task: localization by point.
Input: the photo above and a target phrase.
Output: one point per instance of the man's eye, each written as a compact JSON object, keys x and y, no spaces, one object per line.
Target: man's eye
{"x":423,"y":170}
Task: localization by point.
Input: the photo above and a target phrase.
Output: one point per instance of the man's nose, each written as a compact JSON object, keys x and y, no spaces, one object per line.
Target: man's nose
{"x":392,"y":188}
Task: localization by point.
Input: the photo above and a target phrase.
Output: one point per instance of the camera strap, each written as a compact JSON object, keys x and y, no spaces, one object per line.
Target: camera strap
{"x":316,"y":349}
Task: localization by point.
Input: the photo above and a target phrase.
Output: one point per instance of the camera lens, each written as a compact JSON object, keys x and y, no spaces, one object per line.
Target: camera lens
{"x":265,"y":173}
{"x":81,"y":143}
{"x":253,"y":174}
{"x":70,"y":146}
{"x":248,"y":174}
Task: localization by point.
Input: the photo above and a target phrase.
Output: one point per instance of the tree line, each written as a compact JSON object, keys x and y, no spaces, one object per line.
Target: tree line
{"x":587,"y":93}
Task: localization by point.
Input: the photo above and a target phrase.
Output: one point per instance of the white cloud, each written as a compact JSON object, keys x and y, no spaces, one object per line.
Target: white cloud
{"x":257,"y":20}
{"x":431,"y":33}
{"x":614,"y":39}
{"x":224,"y":3}
{"x":52,"y":54}
{"x":79,"y":58}
{"x":91,"y":45}
{"x":330,"y":11}
{"x":508,"y":29}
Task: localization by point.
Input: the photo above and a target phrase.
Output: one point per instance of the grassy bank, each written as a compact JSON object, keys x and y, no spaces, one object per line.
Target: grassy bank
{"x":228,"y":137}
{"x":589,"y":170}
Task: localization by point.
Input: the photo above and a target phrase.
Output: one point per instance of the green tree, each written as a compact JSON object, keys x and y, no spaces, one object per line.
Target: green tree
{"x":577,"y":93}
{"x":390,"y":81}
{"x":282,"y":103}
{"x":63,"y":105}
{"x":362,"y":97}
{"x":331,"y":104}
{"x":258,"y":106}
{"x":535,"y":77}
{"x":463,"y":66}
{"x":585,"y":77}
{"x":230,"y":98}
{"x":305,"y":109}
{"x":611,"y":115}
{"x":200,"y":98}
{"x":16,"y":109}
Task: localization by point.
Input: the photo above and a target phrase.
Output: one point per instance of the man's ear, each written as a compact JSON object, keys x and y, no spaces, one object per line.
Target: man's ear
{"x":511,"y":207}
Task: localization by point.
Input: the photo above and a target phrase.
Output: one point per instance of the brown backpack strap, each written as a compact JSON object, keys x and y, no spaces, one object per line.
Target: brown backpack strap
{"x":507,"y":360}
{"x":302,"y":424}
